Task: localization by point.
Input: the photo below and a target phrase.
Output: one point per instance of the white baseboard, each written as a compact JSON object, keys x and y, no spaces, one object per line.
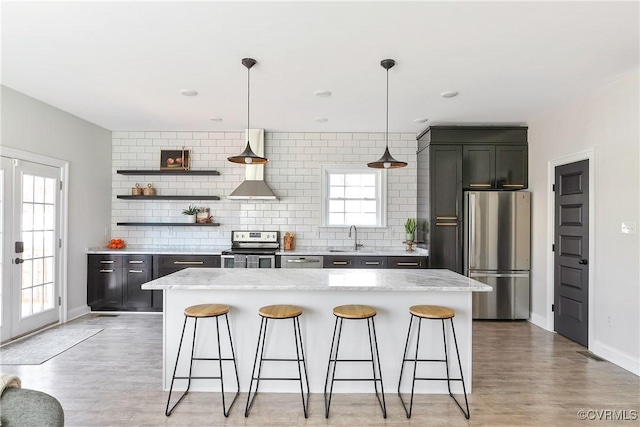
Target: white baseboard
{"x":77,"y":312}
{"x":539,"y":321}
{"x":617,"y":357}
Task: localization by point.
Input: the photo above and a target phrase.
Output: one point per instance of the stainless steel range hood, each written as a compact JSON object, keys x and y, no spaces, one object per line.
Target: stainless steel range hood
{"x":254,"y":187}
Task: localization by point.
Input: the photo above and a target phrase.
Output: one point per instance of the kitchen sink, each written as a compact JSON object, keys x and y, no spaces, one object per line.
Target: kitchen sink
{"x":337,"y":250}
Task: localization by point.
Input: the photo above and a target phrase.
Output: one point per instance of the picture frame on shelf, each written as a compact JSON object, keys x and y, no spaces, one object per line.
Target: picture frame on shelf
{"x":175,"y":159}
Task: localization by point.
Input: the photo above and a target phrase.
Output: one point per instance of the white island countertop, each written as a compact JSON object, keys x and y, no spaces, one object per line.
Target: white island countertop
{"x":318,"y":280}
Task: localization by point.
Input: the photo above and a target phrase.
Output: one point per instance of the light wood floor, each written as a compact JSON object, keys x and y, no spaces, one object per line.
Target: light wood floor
{"x":523,"y":376}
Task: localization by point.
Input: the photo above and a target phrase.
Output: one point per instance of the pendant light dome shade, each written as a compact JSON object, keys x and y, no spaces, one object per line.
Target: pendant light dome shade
{"x":387,"y":161}
{"x":248,"y":157}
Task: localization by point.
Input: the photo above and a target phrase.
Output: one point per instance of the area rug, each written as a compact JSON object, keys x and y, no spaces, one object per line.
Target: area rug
{"x":44,"y":345}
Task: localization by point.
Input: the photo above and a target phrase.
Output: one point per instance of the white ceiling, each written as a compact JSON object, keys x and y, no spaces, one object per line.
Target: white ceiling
{"x":122,"y":65}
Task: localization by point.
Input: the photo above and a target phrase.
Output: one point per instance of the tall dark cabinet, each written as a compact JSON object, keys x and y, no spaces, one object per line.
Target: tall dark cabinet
{"x":451,"y":160}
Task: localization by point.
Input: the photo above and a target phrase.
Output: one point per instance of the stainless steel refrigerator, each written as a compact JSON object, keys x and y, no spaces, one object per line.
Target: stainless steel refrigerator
{"x":497,"y":251}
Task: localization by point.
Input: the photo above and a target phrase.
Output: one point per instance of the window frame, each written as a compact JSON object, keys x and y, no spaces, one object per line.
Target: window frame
{"x":381,"y":192}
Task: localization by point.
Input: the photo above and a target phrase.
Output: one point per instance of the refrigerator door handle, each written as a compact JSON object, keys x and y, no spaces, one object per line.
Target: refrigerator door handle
{"x":472,"y":230}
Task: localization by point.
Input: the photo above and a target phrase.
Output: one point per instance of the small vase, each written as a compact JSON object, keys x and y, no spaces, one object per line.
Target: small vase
{"x":409,"y":237}
{"x":191,"y":219}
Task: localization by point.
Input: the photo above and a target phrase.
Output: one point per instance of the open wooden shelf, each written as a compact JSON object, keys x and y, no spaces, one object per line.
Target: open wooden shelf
{"x":170,"y":224}
{"x":167,"y":172}
{"x":128,"y":197}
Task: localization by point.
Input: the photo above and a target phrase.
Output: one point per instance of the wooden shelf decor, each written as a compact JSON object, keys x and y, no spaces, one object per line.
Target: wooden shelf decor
{"x":168,"y":197}
{"x":170,"y":224}
{"x":167,"y":172}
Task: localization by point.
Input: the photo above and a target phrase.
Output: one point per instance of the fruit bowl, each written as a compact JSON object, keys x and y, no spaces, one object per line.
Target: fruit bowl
{"x":116,"y":244}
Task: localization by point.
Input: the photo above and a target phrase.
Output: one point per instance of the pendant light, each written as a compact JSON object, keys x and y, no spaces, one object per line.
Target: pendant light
{"x":248,"y":157}
{"x":387,"y":161}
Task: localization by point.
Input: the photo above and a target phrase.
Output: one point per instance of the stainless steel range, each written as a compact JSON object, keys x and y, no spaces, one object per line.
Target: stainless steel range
{"x":252,"y":249}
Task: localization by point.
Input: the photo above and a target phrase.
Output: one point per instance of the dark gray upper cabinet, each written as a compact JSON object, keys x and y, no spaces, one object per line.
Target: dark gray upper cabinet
{"x":446,"y":181}
{"x":512,"y":167}
{"x":479,"y":166}
{"x":497,"y":166}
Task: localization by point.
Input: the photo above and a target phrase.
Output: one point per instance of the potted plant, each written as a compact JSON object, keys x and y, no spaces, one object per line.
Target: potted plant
{"x":410,"y":229}
{"x":191,"y":213}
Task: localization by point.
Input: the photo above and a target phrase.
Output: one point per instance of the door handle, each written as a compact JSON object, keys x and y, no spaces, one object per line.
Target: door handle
{"x":583,"y":262}
{"x":19,"y":261}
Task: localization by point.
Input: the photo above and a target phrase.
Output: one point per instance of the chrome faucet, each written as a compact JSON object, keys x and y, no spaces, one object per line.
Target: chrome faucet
{"x":356,"y":245}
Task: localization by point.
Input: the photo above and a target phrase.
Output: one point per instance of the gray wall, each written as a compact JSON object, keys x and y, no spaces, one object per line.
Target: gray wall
{"x":33,"y":126}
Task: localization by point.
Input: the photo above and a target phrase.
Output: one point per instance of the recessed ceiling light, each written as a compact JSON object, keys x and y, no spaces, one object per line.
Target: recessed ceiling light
{"x":215,"y":119}
{"x":321,"y":120}
{"x":449,"y":94}
{"x":188,"y":92}
{"x":322,"y":93}
{"x":420,"y":120}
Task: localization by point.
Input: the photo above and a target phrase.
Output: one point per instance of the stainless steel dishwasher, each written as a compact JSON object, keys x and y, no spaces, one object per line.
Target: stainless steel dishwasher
{"x":307,"y":261}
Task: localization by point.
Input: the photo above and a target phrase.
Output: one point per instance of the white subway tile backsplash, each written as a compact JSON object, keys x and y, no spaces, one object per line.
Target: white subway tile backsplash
{"x":293,"y":172}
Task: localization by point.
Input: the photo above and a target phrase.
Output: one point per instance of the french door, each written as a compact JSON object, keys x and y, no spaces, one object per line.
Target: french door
{"x":29,"y":223}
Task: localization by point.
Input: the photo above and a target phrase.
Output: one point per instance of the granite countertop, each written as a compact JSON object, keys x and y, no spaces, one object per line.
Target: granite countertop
{"x":318,"y":280}
{"x":217,"y":250}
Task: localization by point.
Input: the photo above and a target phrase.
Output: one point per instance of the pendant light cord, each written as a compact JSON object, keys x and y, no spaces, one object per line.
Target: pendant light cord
{"x":387,"y":133}
{"x":248,"y":103}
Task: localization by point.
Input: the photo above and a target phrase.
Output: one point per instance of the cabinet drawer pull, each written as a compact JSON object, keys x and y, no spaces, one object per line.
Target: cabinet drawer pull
{"x":340,"y":262}
{"x":107,"y":262}
{"x":480,"y":185}
{"x":372,"y":263}
{"x":405,"y":264}
{"x":450,"y":224}
{"x":136,"y":271}
{"x":513,"y":185}
{"x":136,"y":262}
{"x":188,"y":262}
{"x":447,"y":217}
{"x":106,"y":271}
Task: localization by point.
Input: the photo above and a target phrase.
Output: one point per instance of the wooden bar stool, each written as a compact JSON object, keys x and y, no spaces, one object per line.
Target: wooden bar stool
{"x":279,"y":312}
{"x":354,"y":312}
{"x":196,"y":312}
{"x":432,"y":312}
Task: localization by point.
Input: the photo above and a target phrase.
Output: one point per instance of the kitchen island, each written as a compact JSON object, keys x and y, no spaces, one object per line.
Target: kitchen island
{"x":317,"y":291}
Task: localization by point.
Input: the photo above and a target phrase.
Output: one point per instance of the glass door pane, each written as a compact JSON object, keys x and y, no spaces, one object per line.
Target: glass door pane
{"x":38,"y":228}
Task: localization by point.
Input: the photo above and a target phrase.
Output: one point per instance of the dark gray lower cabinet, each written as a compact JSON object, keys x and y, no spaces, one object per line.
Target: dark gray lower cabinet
{"x":407,"y":262}
{"x":114,"y":281}
{"x":167,"y":264}
{"x":367,"y":261}
{"x":371,"y":262}
{"x":446,"y":236}
{"x":339,"y":261}
{"x":104,"y":279}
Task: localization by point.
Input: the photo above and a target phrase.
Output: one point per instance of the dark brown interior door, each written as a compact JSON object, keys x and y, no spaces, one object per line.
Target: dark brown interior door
{"x":571,"y":275}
